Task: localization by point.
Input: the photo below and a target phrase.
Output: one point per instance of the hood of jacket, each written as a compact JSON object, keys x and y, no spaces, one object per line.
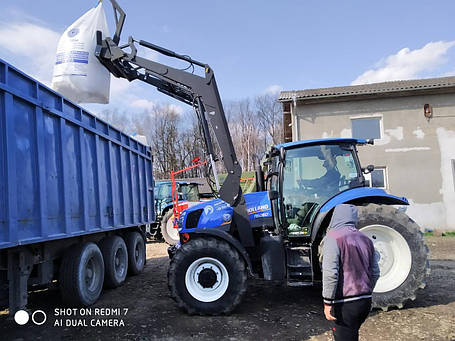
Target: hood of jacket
{"x":344,"y":216}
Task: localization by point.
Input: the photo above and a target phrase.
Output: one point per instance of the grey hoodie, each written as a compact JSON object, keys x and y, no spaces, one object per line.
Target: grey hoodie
{"x":349,"y":267}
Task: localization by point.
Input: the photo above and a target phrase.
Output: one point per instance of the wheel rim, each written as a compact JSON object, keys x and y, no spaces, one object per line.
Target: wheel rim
{"x":120,"y":262}
{"x":92,"y":274}
{"x":207,"y":279}
{"x":393,"y":255}
{"x":172,"y":232}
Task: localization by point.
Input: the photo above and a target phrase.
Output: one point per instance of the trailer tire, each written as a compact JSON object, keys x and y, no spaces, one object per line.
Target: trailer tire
{"x":202,"y":295}
{"x":402,"y":254}
{"x":82,"y":275}
{"x":169,"y":233}
{"x":115,"y":256}
{"x":135,"y":245}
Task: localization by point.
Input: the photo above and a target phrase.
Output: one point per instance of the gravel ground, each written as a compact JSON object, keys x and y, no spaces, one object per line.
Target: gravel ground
{"x":267,"y":312}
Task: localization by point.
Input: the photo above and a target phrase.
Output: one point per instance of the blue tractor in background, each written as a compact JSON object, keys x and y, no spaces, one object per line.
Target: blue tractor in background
{"x":287,"y":221}
{"x":275,"y":233}
{"x":163,"y":228}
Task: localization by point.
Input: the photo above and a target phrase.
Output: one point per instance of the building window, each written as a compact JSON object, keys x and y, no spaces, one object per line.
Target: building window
{"x":377,"y":178}
{"x":366,"y":128}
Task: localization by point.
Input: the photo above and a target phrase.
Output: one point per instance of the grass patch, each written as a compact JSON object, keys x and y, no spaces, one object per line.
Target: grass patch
{"x":428,"y":233}
{"x":448,"y":234}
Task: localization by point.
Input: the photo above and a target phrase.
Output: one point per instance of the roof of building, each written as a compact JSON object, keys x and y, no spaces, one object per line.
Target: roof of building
{"x":385,"y":89}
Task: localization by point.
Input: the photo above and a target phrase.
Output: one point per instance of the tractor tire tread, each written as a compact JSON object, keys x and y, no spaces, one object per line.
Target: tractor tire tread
{"x":419,"y":251}
{"x":197,"y":246}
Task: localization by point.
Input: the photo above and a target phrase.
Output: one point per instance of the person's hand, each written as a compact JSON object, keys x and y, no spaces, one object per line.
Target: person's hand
{"x":327,"y":312}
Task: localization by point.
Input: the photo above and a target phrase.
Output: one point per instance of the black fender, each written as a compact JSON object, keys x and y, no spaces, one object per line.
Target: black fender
{"x":229,"y":239}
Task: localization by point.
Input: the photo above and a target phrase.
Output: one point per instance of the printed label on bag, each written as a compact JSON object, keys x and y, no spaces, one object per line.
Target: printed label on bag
{"x":72,"y":57}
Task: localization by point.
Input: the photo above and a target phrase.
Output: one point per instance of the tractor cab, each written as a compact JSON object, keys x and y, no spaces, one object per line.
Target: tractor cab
{"x":187,"y":191}
{"x":303,"y":176}
{"x":280,"y":238}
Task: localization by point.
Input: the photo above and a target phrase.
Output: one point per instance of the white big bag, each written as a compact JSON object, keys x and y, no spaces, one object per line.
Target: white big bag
{"x":78,"y":74}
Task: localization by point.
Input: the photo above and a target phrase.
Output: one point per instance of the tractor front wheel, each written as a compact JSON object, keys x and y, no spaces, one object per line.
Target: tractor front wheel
{"x":168,"y":231}
{"x":401,"y":252}
{"x":207,"y":277}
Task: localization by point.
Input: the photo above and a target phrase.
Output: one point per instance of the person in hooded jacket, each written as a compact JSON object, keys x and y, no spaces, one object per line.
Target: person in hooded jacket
{"x":349,"y":273}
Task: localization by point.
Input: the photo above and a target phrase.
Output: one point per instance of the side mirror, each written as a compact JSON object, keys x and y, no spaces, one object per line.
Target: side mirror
{"x":368,"y":169}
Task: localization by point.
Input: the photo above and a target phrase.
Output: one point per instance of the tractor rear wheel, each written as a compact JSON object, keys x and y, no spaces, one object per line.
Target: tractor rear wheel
{"x":169,"y":233}
{"x":207,"y":277}
{"x":401,"y":252}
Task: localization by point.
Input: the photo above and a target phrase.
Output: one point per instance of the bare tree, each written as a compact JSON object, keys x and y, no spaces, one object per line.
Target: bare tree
{"x":245,"y":131}
{"x":269,"y":112}
{"x":176,"y":139}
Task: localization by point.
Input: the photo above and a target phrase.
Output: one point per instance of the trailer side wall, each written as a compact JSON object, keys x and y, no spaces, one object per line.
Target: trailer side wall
{"x":63,"y":171}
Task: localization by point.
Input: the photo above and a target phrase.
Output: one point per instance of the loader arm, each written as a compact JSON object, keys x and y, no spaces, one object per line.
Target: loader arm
{"x":200,"y":92}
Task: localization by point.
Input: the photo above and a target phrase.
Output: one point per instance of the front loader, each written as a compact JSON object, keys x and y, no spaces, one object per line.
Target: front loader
{"x":275,"y":233}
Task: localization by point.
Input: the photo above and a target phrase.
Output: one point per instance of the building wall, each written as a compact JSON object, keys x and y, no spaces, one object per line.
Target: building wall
{"x":417,"y":152}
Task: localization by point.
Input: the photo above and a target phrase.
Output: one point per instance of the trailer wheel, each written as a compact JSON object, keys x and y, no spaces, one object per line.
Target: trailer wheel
{"x":207,"y":277}
{"x":169,"y":233}
{"x":401,"y":252}
{"x":135,"y":245}
{"x":82,"y":275}
{"x":115,"y":256}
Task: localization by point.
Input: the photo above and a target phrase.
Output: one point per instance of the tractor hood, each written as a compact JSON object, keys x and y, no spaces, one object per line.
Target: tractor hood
{"x":217,"y":213}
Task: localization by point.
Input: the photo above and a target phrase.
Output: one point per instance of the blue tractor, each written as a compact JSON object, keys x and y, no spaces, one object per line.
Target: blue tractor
{"x":188,"y":192}
{"x":286,"y":223}
{"x":276,"y":233}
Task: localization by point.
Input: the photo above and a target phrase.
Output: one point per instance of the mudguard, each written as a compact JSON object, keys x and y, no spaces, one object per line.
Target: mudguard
{"x":166,"y":207}
{"x":355,"y":196}
{"x":364,"y":194}
{"x":229,"y":239}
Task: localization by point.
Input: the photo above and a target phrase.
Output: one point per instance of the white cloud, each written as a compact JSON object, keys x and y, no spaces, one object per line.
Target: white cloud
{"x":146,"y":104}
{"x":273,"y":89}
{"x":176,"y":108}
{"x":31,"y":46}
{"x":119,"y":85}
{"x":34,"y":42}
{"x":143,"y":104}
{"x":407,"y":64}
{"x":449,"y":74}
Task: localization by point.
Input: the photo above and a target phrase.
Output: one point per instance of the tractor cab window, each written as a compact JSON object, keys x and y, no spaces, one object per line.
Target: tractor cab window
{"x":189,"y":192}
{"x":312,"y":176}
{"x":163,"y":191}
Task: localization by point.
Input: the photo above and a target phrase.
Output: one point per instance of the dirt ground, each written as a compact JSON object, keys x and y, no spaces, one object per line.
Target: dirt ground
{"x":267,"y":312}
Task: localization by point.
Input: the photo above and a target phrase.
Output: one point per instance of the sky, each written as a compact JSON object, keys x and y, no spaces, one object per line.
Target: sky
{"x":254,"y":47}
